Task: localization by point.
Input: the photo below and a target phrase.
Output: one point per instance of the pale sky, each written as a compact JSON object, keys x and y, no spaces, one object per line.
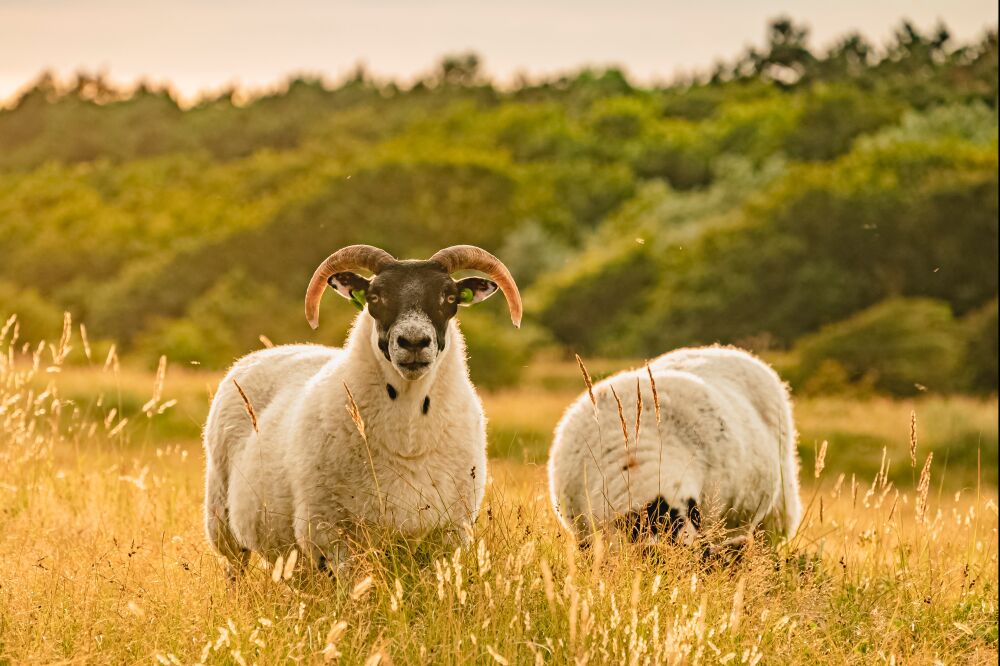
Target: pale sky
{"x":199,"y":45}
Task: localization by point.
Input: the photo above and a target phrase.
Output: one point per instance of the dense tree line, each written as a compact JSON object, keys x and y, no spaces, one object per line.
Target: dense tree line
{"x":819,"y":203}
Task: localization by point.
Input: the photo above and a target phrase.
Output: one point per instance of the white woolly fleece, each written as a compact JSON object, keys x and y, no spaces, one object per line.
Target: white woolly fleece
{"x":308,"y":478}
{"x":726,"y":440}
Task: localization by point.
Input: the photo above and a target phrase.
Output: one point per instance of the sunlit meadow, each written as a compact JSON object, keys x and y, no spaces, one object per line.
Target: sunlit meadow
{"x":103,"y":557}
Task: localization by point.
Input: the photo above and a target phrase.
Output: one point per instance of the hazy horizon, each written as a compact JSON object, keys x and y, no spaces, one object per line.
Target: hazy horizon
{"x":196,"y":49}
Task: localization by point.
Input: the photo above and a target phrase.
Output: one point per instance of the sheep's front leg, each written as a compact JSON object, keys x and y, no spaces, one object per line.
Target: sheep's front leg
{"x":322,"y":543}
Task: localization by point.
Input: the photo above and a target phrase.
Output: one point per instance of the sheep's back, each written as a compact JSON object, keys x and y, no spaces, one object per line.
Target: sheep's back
{"x":732,"y":372}
{"x":262,"y":375}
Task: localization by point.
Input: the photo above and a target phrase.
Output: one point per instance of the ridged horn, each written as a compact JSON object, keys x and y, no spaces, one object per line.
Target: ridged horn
{"x":350,"y":258}
{"x":470,"y":257}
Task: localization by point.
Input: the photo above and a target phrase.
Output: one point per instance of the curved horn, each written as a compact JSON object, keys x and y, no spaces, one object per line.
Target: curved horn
{"x":459,"y":257}
{"x":352,"y":257}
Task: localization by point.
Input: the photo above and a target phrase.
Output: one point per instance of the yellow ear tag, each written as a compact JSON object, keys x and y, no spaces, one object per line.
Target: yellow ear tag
{"x":466,"y":295}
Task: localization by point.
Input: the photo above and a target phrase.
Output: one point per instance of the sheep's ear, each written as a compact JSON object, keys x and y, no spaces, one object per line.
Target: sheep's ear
{"x":474,"y":289}
{"x":351,"y":286}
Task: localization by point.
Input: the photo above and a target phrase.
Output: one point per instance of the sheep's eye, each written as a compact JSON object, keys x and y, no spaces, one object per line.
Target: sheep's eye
{"x":451,"y":298}
{"x":373,"y":298}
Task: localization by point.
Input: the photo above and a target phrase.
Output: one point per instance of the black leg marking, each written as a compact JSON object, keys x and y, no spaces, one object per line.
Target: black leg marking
{"x":694,"y":514}
{"x":323,"y":566}
{"x":391,"y":390}
{"x":631,"y":524}
{"x":676,"y":523}
{"x":658,"y":512}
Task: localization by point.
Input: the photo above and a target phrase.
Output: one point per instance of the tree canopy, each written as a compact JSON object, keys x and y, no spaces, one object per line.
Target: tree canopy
{"x":759,"y":204}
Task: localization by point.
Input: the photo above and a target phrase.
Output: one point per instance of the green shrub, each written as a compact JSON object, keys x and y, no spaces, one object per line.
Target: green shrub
{"x":37,"y":318}
{"x":678,"y":153}
{"x":900,"y":346}
{"x":974,"y":123}
{"x":187,"y":341}
{"x":583,"y":304}
{"x":497,"y":352}
{"x":832,"y":117}
{"x":227,"y":320}
{"x":981,"y":349}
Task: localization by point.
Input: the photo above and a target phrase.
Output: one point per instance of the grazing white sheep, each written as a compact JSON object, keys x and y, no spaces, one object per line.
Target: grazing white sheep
{"x":300,"y":472}
{"x":715,"y":442}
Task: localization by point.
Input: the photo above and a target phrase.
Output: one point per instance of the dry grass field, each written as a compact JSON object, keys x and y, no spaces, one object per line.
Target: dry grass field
{"x":103,"y":559}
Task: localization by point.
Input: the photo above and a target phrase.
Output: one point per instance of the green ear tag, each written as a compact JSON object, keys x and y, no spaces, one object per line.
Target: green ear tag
{"x":358,"y":298}
{"x":466,"y":295}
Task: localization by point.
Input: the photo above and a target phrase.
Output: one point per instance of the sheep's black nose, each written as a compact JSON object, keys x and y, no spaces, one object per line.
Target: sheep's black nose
{"x":413,"y":344}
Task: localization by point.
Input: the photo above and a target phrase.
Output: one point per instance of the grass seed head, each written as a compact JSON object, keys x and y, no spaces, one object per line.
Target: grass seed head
{"x":820,"y":460}
{"x":638,"y":408}
{"x":923,"y":486}
{"x":621,"y":416}
{"x":352,"y":409}
{"x":361,"y":588}
{"x":248,"y":405}
{"x":586,"y":379}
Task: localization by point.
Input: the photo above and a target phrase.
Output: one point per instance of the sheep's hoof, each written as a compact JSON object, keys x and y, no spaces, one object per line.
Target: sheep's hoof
{"x":332,"y":567}
{"x":235,"y":568}
{"x":323,"y":566}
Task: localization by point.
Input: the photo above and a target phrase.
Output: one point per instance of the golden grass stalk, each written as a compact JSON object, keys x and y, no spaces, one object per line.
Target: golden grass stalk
{"x":820,"y":460}
{"x":497,"y":657}
{"x":621,"y":417}
{"x":913,"y":438}
{"x":923,"y":486}
{"x":118,"y":428}
{"x":597,"y":547}
{"x":656,"y":396}
{"x":359,"y":423}
{"x":361,"y":588}
{"x":549,"y":586}
{"x":352,"y":409}
{"x":248,"y":405}
{"x":86,"y":341}
{"x":330,"y":651}
{"x":629,"y":460}
{"x":290,"y":564}
{"x":736,"y":613}
{"x":586,"y":379}
{"x":161,"y":376}
{"x":11,"y":320}
{"x":63,"y":348}
{"x":112,"y":360}
{"x":638,"y":408}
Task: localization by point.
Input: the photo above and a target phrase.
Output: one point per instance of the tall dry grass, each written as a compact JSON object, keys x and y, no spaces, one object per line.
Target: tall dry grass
{"x":103,"y":560}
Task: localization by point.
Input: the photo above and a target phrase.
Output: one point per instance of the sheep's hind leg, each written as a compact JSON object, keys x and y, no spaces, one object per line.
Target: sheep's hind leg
{"x":220,"y":534}
{"x":224,"y":541}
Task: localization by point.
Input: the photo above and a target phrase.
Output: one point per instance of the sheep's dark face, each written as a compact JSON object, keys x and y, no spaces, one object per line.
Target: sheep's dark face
{"x":411,"y":303}
{"x":660,"y":521}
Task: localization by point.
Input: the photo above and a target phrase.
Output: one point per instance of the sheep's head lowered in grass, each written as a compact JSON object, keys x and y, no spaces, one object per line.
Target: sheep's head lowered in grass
{"x":411,"y":300}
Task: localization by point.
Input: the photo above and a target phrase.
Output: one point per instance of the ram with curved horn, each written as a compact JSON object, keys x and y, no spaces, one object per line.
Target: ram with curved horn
{"x":387,"y":431}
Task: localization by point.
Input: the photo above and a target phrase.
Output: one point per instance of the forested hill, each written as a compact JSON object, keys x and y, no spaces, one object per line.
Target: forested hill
{"x":840,"y":205}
